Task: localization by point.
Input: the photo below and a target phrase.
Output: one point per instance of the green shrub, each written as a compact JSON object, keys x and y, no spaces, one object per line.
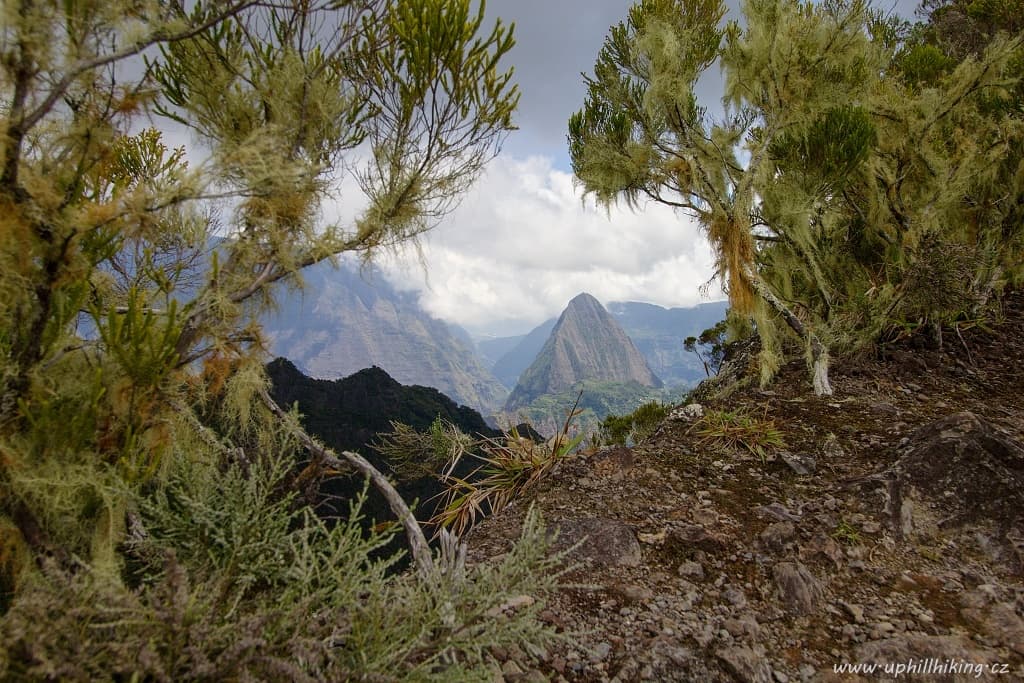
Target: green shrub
{"x":234,"y":580}
{"x":636,"y":426}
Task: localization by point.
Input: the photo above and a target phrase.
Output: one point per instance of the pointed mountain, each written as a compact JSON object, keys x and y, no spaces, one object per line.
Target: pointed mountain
{"x":511,"y":364}
{"x":585,"y":344}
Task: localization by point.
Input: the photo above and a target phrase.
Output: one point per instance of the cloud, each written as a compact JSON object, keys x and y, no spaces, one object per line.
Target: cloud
{"x":523,"y":243}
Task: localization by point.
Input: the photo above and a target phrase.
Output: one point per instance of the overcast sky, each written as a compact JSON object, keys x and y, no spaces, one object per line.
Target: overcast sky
{"x":522,"y":243}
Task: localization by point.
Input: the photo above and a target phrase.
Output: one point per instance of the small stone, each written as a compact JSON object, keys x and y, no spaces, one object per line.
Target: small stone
{"x":691,"y":536}
{"x":882,"y":630}
{"x":635,"y":593}
{"x":799,"y":590}
{"x":691,"y":569}
{"x":735,"y":597}
{"x":779,"y":512}
{"x":600,"y":651}
{"x":871,"y":527}
{"x":510,"y":668}
{"x":704,"y":516}
{"x":801,"y":464}
{"x":742,"y":626}
{"x":747,"y":665}
{"x":856,"y":612}
{"x":775,"y":536}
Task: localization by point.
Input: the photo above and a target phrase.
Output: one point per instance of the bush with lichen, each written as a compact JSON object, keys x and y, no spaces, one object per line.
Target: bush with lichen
{"x":228,"y":576}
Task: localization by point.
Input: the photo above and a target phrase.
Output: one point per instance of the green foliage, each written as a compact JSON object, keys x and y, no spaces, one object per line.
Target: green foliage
{"x":329,"y":613}
{"x":510,"y":467}
{"x":410,"y":453}
{"x":154,"y":522}
{"x":855,"y":150}
{"x":739,"y":429}
{"x":846,"y":533}
{"x":713,"y":339}
{"x":634,"y":427}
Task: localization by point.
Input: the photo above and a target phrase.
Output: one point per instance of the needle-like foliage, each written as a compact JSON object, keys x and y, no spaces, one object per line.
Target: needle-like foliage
{"x":156,"y":507}
{"x":864,"y":173}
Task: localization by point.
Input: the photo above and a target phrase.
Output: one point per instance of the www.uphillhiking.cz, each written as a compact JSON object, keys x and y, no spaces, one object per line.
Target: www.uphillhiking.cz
{"x":929,"y":666}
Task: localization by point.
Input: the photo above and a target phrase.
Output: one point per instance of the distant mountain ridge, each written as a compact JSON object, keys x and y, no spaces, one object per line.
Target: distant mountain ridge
{"x":585,"y":344}
{"x":659,"y":333}
{"x":348,"y":319}
{"x":511,"y":364}
{"x":348,"y":413}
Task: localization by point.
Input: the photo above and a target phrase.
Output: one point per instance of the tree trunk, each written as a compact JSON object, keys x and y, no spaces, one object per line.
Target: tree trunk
{"x":819,"y":352}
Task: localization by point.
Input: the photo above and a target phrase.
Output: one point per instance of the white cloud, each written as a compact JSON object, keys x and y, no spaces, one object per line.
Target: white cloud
{"x":523,"y":243}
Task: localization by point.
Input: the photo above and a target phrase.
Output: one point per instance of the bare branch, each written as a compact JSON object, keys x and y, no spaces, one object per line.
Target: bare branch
{"x":417,"y":541}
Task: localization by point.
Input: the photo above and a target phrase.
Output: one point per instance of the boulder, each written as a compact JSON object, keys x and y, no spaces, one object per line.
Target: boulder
{"x":798,"y":589}
{"x":963,"y":468}
{"x":747,"y":665}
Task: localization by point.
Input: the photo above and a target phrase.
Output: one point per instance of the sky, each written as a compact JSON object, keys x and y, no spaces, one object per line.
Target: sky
{"x":523,"y":242}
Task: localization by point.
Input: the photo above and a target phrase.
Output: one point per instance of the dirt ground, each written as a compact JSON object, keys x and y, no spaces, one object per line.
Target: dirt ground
{"x":704,"y":562}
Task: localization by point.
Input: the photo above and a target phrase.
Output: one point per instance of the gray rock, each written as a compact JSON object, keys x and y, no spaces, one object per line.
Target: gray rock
{"x":600,"y":652}
{"x":694,"y":537}
{"x":735,"y":596}
{"x":746,"y":664}
{"x":802,"y":464}
{"x":963,"y":454}
{"x":776,"y":536}
{"x":798,"y":589}
{"x":1001,"y":623}
{"x":779,"y":512}
{"x":607,"y":542}
{"x":856,"y":612}
{"x":691,"y":569}
{"x":742,"y":626}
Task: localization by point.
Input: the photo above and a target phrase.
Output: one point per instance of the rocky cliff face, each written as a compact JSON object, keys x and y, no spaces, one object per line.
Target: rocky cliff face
{"x":585,"y":344}
{"x":659,"y":333}
{"x":345,"y":321}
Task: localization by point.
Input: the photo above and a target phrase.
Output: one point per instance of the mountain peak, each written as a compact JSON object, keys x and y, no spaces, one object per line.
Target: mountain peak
{"x":583,"y":299}
{"x":587,"y":343}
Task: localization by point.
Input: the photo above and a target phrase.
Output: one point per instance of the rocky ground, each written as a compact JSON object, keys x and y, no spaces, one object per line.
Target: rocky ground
{"x":888,"y":529}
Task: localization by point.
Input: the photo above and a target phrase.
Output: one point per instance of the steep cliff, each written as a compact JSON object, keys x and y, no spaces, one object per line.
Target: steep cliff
{"x":346,"y":320}
{"x":585,"y":344}
{"x":659,"y":333}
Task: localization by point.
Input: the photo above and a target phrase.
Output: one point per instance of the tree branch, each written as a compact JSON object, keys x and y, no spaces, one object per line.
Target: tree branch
{"x":417,"y":541}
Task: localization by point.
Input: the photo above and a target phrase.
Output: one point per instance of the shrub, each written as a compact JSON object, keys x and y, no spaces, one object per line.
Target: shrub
{"x":636,"y":426}
{"x":234,"y":581}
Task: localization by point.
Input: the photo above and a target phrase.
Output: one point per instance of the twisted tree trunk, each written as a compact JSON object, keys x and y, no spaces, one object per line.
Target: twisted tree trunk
{"x":819,"y":352}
